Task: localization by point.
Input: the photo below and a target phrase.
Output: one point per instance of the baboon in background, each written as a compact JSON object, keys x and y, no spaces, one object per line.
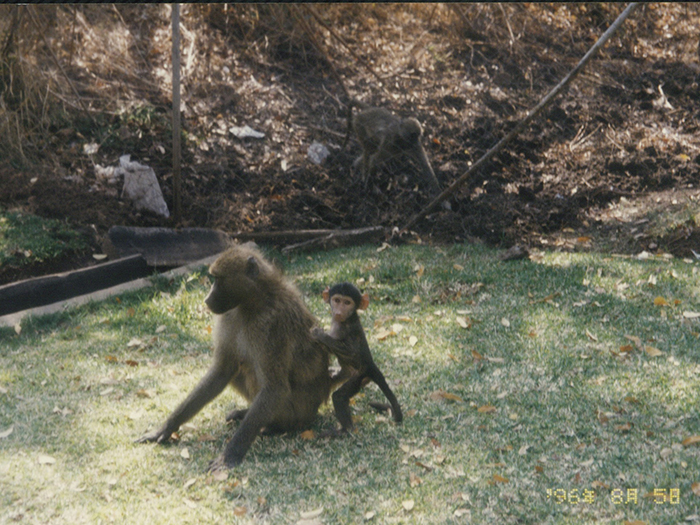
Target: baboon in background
{"x":263,"y":347}
{"x":383,"y":137}
{"x":347,"y":341}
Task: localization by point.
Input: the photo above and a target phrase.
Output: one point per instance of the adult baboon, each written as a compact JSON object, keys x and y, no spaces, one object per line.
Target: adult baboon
{"x":263,"y":348}
{"x":384,"y":137}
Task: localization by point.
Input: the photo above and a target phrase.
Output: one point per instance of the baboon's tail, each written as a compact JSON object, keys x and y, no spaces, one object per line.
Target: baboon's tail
{"x":351,"y":104}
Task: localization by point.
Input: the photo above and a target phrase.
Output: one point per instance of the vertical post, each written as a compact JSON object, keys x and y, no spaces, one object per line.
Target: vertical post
{"x":177,"y":176}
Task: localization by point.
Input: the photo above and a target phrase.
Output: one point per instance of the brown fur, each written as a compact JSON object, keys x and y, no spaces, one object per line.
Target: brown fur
{"x":384,"y":136}
{"x":263,"y":348}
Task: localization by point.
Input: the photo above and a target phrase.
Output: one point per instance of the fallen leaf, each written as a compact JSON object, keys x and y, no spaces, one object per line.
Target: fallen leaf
{"x":660,"y":301}
{"x":131,"y":362}
{"x":416,"y":299}
{"x":549,"y":299}
{"x":695,"y":487}
{"x":666,"y":453}
{"x":408,"y":505}
{"x":311,"y":514}
{"x":220,"y":475}
{"x":626,"y":427}
{"x":160,"y":329}
{"x":184,"y":453}
{"x":413,"y":340}
{"x":7,"y":432}
{"x":486,"y":409}
{"x":18,"y":328}
{"x":414,"y":480}
{"x":439,"y":395}
{"x":653,"y":352}
{"x":419,"y":270}
{"x":497,"y":478}
{"x":476,"y":355}
{"x":636,"y":340}
{"x":692,"y":440}
{"x":691,"y":315}
{"x":43,"y":459}
{"x":384,"y":333}
{"x":111,"y":359}
{"x":189,"y":483}
{"x":307,"y":435}
{"x":369,"y":515}
{"x":240,"y":511}
{"x":458,"y":267}
{"x":462,"y":321}
{"x":505,"y":322}
{"x":145,"y":393}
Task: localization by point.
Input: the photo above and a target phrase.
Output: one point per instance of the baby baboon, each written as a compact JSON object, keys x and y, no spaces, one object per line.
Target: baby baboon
{"x":263,"y":348}
{"x":384,"y":136}
{"x":348,"y":343}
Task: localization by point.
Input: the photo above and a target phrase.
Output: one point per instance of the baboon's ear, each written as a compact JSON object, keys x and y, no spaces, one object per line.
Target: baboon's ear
{"x":364,"y":302}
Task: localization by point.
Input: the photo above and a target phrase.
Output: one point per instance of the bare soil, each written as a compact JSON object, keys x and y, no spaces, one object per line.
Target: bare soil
{"x":595,"y":171}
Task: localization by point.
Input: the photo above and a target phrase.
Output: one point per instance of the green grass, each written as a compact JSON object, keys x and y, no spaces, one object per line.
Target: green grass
{"x":26,"y":239}
{"x":542,"y":397}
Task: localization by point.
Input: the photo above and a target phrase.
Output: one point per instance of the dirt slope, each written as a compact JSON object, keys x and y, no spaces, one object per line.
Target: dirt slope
{"x":619,"y":150}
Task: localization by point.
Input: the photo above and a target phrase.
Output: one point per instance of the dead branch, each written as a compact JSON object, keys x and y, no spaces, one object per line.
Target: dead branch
{"x":282,"y":237}
{"x":338,"y":238}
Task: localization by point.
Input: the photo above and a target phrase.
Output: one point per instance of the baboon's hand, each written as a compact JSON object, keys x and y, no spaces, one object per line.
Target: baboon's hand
{"x":236,"y":415}
{"x":221,"y":463}
{"x":157,"y":436}
{"x":334,"y":433}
